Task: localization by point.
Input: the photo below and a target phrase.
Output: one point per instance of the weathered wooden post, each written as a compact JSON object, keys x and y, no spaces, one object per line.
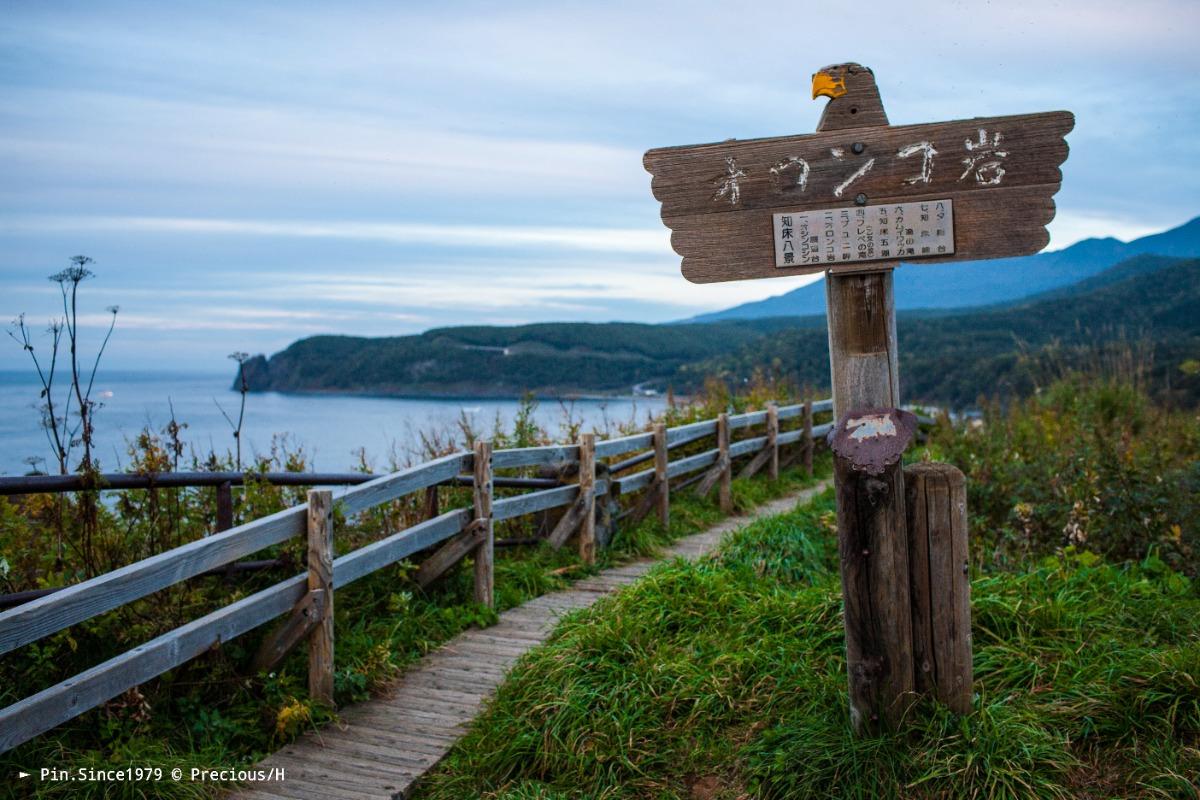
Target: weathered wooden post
{"x":863,"y":363}
{"x":864,"y":369}
{"x":485,"y":550}
{"x":721,"y":472}
{"x":320,"y":579}
{"x":312,"y":617}
{"x":430,"y":508}
{"x":773,"y":439}
{"x":476,"y":539}
{"x":941,"y":587}
{"x":587,"y":488}
{"x":809,"y":445}
{"x":725,"y":484}
{"x":224,"y":506}
{"x":873,"y":551}
{"x":853,"y":200}
{"x":662,"y":483}
{"x":769,"y":454}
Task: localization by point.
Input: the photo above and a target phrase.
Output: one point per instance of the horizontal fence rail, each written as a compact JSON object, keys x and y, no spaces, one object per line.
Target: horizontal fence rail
{"x":122,"y":481}
{"x":31,"y":484}
{"x":457,"y":533}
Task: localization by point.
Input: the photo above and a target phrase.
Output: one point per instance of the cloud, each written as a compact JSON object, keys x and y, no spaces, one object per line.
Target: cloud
{"x":467,"y":236}
{"x":1069,"y":227}
{"x":132,"y":140}
{"x":258,"y":318}
{"x":378,"y":167}
{"x":481,"y":290}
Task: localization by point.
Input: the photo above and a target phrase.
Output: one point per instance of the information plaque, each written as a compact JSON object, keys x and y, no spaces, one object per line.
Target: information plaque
{"x":864,"y":233}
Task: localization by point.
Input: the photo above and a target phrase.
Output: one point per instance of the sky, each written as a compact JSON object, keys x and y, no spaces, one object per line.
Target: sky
{"x":245,"y":174}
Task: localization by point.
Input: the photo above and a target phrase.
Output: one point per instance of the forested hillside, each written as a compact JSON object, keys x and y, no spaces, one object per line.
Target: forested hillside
{"x":1140,"y":313}
{"x":1140,"y":318}
{"x":558,"y":358}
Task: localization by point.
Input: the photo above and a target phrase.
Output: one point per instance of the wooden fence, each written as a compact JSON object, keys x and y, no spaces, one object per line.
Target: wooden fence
{"x":307,"y":598}
{"x":222,"y":483}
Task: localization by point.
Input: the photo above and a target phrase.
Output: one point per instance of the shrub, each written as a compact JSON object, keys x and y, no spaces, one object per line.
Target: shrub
{"x":1086,"y":463}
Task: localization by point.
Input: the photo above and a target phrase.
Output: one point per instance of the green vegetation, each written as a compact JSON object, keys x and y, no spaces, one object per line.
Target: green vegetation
{"x":1137,"y":319}
{"x":722,"y":678}
{"x":1140,"y":313}
{"x":556,"y":358}
{"x":1088,"y":462}
{"x":726,"y":678}
{"x":215,"y":710}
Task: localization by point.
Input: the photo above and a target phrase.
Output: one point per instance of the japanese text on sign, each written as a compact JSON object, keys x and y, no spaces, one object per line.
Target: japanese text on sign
{"x":864,"y":233}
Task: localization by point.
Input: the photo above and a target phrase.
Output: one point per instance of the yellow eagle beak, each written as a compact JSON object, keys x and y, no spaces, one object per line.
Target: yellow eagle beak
{"x":826,"y":86}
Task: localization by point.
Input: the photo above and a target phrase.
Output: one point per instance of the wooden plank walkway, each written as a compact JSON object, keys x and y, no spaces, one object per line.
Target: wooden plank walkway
{"x":380,"y":748}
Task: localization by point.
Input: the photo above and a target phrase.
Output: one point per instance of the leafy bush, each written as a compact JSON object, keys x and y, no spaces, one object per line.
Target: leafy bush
{"x":1088,"y":463}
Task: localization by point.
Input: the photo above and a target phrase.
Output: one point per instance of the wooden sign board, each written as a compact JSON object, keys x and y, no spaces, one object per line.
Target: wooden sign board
{"x":945,"y":191}
{"x":854,"y":199}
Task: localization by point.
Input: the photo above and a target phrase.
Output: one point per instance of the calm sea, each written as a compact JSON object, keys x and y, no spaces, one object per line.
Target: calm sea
{"x":330,"y":428}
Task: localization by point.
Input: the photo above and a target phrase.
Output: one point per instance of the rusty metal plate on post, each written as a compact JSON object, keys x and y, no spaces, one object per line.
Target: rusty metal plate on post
{"x":864,"y":233}
{"x":873,"y":439}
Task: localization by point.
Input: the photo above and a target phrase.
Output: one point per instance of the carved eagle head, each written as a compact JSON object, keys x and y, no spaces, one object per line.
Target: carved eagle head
{"x":853,"y":97}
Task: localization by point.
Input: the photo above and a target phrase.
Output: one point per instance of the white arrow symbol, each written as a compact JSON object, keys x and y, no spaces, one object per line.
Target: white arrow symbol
{"x":22,"y":774}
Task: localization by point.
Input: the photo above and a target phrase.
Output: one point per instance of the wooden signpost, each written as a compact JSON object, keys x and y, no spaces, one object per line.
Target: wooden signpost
{"x":853,"y":200}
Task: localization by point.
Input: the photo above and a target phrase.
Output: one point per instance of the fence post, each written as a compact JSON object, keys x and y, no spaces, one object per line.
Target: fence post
{"x":320,"y":579}
{"x":485,"y":551}
{"x":773,"y":439}
{"x":587,"y":486}
{"x":809,"y":444}
{"x":873,"y":552}
{"x":431,"y":506}
{"x":725,"y":490}
{"x":224,"y":506}
{"x":662,"y":484}
{"x":936,"y":502}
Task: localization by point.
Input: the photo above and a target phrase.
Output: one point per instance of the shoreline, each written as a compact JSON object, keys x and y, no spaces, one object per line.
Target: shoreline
{"x":451,"y":396}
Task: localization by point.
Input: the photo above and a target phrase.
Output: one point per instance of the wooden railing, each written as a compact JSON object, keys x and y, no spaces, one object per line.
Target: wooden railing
{"x":222,"y":483}
{"x":460,"y":532}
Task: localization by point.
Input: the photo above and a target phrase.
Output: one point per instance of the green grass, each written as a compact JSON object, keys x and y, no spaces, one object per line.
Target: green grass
{"x":725,"y":678}
{"x":214,"y":711}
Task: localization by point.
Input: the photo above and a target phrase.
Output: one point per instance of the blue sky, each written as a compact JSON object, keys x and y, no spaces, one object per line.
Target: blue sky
{"x":248,"y":173}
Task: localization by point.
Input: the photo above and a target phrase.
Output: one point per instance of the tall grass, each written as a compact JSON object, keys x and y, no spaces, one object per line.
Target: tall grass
{"x":726,"y":679}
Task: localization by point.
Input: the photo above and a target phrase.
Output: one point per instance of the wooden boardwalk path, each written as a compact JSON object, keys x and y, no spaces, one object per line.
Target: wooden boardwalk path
{"x":382,"y":747}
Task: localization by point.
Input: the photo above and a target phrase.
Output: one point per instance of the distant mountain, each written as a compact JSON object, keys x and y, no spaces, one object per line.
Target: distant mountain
{"x":1139,"y":316}
{"x":1146,"y":305}
{"x":1131,"y":268}
{"x":984,"y":283}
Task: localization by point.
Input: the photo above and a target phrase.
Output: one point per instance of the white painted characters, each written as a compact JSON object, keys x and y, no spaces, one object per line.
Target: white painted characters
{"x":730,"y":184}
{"x":797,"y":163}
{"x":871,"y":426}
{"x":858,"y":173}
{"x":983,"y":159}
{"x":927,"y":153}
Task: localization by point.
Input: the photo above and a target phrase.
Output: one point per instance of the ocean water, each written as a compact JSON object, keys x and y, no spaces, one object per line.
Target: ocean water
{"x":330,"y":428}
